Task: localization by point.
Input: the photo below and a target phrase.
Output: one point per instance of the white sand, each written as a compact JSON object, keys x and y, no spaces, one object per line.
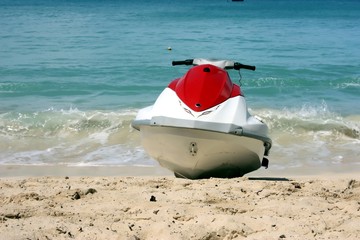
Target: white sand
{"x":169,"y":208}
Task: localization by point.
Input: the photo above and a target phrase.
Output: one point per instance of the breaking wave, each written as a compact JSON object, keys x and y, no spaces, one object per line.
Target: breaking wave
{"x":70,"y":137}
{"x":311,"y":119}
{"x":310,"y":135}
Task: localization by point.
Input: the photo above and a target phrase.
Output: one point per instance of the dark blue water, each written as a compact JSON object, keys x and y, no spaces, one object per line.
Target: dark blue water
{"x":74,"y":73}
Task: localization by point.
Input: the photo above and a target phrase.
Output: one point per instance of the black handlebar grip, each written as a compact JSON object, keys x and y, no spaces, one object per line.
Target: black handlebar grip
{"x":185,"y":62}
{"x":238,"y":66}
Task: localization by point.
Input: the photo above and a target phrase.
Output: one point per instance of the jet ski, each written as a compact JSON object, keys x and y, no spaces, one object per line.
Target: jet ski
{"x":200,"y":126}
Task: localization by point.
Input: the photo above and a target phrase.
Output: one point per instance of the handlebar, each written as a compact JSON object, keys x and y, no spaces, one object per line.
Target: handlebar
{"x":185,"y":62}
{"x":238,"y":66}
{"x":224,"y":64}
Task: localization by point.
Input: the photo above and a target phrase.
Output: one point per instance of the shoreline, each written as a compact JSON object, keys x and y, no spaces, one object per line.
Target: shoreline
{"x":157,"y":171}
{"x":89,"y":171}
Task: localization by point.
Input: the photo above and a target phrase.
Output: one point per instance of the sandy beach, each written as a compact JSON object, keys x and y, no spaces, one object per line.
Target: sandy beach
{"x":163,"y":207}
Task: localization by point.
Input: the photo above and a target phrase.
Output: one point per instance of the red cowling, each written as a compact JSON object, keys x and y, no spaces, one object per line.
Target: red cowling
{"x":204,"y":86}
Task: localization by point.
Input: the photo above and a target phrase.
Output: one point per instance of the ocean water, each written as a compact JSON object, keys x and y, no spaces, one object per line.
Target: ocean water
{"x":74,"y":73}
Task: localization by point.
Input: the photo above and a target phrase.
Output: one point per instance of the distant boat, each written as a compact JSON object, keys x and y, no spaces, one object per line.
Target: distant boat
{"x":237,"y":0}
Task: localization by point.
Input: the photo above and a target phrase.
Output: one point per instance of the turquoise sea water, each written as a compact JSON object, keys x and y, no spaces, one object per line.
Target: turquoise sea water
{"x":73,"y":74}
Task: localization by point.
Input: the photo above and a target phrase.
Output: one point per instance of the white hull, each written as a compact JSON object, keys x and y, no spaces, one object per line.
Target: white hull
{"x":193,"y":153}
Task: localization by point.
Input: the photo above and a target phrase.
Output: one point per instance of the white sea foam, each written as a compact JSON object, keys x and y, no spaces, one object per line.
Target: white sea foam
{"x":308,"y":136}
